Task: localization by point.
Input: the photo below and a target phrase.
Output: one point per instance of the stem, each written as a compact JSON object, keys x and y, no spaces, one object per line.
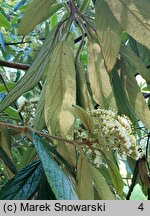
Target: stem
{"x":14,"y":65}
{"x":134,"y":179}
{"x":26,"y":129}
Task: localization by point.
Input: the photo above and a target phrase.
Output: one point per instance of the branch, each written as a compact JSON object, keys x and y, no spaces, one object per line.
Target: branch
{"x":134,"y":179}
{"x":26,"y":129}
{"x":14,"y":65}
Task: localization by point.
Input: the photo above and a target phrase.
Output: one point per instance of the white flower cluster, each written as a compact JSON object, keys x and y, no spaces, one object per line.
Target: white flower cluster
{"x":113,"y":132}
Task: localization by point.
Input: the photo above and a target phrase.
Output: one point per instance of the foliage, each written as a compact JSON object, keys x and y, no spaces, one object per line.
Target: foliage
{"x":75,"y":99}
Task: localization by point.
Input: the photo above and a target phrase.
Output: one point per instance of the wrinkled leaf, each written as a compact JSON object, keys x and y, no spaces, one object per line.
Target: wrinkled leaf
{"x":58,"y":181}
{"x":109,"y":33}
{"x":134,"y":17}
{"x":60,"y":89}
{"x":99,"y":78}
{"x":23,"y":185}
{"x":36,"y":13}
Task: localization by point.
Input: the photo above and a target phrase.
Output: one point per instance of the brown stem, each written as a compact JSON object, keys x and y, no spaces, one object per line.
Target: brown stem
{"x":26,"y":129}
{"x":14,"y":65}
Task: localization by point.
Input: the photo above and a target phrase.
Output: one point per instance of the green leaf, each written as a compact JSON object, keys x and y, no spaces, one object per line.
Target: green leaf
{"x":36,"y":12}
{"x":85,"y":189}
{"x":60,"y":89}
{"x":8,"y":162}
{"x":109,"y":33}
{"x":10,"y":85}
{"x":100,"y":185}
{"x":135,"y":96}
{"x":33,"y":75}
{"x":131,"y":58}
{"x":99,"y":78}
{"x":84,"y":5}
{"x":115,"y":175}
{"x":12,"y":113}
{"x":134,"y":17}
{"x":4,"y":22}
{"x":39,"y":121}
{"x":45,"y":192}
{"x":83,"y":96}
{"x":122,"y":101}
{"x":23,"y":185}
{"x":85,"y":117}
{"x":5,"y":144}
{"x":58,"y":181}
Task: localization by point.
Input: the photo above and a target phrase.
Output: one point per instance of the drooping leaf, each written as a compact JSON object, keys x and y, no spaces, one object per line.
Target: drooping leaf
{"x":7,"y":161}
{"x":39,"y":120}
{"x":85,"y":117}
{"x":143,"y":172}
{"x":5,"y":145}
{"x":58,"y":181}
{"x":60,"y":89}
{"x":85,"y":188}
{"x":36,"y":13}
{"x":101,"y":186}
{"x":123,"y":104}
{"x":83,"y":96}
{"x":33,"y":75}
{"x":23,"y":185}
{"x":130,"y":57}
{"x":134,"y":17}
{"x":4,"y":22}
{"x":45,"y":192}
{"x":114,"y":174}
{"x":99,"y":78}
{"x":109,"y":33}
{"x":135,"y":96}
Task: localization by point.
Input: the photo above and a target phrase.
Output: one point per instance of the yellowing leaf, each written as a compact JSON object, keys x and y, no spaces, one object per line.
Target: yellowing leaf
{"x":36,"y":13}
{"x":109,"y":33}
{"x":99,"y":78}
{"x":60,"y":89}
{"x":85,"y":189}
{"x":85,"y":118}
{"x":101,"y":186}
{"x":134,"y":17}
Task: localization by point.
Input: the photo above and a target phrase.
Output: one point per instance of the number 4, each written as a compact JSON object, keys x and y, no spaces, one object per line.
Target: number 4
{"x":141,"y":207}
